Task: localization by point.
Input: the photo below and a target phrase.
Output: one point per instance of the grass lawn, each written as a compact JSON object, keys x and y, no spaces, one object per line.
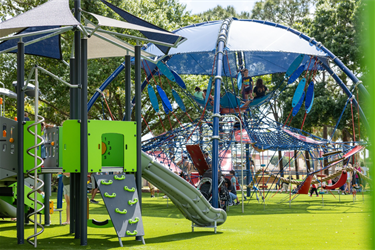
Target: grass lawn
{"x":306,"y":225}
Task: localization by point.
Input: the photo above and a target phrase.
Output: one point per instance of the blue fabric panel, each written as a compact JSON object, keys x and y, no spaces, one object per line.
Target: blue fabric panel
{"x":164,"y":98}
{"x":179,"y":101}
{"x":136,"y":20}
{"x":178,"y":79}
{"x":229,"y":101}
{"x":153,"y":98}
{"x":202,"y":103}
{"x":299,"y":104}
{"x":309,"y":97}
{"x":239,"y":80}
{"x":296,"y":74}
{"x":47,"y":48}
{"x":148,"y":66}
{"x":165,"y":71}
{"x":209,"y":87}
{"x":166,"y":110}
{"x":294,"y":65}
{"x":298,"y":93}
{"x":259,"y":101}
{"x":261,"y":63}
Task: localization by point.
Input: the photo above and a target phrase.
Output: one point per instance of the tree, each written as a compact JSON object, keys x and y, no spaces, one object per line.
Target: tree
{"x":287,"y":12}
{"x":220,"y":13}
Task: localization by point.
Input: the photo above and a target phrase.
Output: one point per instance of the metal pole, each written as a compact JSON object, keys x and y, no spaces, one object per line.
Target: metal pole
{"x":137,"y":68}
{"x":20,"y":118}
{"x":36,"y":159}
{"x":128,"y":89}
{"x":73,"y":115}
{"x":248,"y":173}
{"x":47,"y":192}
{"x":75,"y":177}
{"x":216,"y":114}
{"x":84,"y":156}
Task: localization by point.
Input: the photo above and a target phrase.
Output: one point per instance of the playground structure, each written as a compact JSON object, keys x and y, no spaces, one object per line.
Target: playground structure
{"x":81,"y":145}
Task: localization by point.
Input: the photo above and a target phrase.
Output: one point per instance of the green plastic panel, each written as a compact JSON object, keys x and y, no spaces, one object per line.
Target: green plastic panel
{"x":29,"y":141}
{"x":120,"y":140}
{"x":61,"y":146}
{"x":28,"y":203}
{"x":71,"y":146}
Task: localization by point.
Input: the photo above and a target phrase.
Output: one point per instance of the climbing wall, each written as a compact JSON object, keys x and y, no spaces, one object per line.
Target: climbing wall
{"x":121,"y":200}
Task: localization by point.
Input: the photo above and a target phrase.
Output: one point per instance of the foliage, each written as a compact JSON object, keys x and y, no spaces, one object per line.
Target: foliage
{"x":220,"y":13}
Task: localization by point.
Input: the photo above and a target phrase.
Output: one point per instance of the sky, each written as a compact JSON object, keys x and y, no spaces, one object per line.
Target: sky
{"x":199,"y":6}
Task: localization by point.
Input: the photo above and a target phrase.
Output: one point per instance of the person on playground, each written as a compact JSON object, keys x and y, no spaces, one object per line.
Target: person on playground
{"x":348,"y":181}
{"x":210,"y":97}
{"x":66,"y":182}
{"x":198,"y":93}
{"x":314,"y":189}
{"x":234,"y":181}
{"x":94,"y":188}
{"x":152,"y":189}
{"x":208,"y":159}
{"x":259,"y":89}
{"x":184,"y":164}
{"x":247,"y":87}
{"x":232,"y":193}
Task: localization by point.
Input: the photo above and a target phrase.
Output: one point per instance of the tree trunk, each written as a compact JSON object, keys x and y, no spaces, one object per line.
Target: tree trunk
{"x":308,"y":166}
{"x":345,"y":139}
{"x":325,"y":136}
{"x":296,"y":163}
{"x":281,"y":164}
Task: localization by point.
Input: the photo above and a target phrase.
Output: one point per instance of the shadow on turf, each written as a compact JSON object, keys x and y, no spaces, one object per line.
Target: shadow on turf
{"x":67,"y":241}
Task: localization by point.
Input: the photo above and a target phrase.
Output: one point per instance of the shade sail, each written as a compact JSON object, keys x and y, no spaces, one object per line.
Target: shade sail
{"x":49,"y":47}
{"x":8,"y":93}
{"x":172,"y":39}
{"x":52,"y":13}
{"x":265,"y":49}
{"x":100,"y":48}
{"x":106,"y":21}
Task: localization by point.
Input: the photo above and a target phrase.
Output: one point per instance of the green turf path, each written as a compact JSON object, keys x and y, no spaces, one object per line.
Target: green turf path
{"x":306,"y":225}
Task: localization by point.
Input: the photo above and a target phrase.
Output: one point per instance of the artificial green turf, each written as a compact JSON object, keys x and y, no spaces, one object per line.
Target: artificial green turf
{"x":306,"y":225}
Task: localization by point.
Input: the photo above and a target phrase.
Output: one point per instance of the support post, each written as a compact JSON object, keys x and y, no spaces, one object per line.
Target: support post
{"x":84,"y":154}
{"x":20,"y":119}
{"x":137,"y":68}
{"x":248,"y":171}
{"x":76,"y":114}
{"x":47,"y":192}
{"x":128,"y":89}
{"x":215,"y":135}
{"x":73,"y":115}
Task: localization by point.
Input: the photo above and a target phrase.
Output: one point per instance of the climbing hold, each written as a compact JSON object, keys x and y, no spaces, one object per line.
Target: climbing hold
{"x":119,"y":178}
{"x":109,"y":182}
{"x":133,"y":202}
{"x":110,"y":195}
{"x":132,"y":234}
{"x":129,"y":189}
{"x":134,"y":221}
{"x":121,"y":212}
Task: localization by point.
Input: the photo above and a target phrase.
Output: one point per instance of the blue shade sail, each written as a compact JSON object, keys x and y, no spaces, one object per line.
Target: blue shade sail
{"x":49,"y":47}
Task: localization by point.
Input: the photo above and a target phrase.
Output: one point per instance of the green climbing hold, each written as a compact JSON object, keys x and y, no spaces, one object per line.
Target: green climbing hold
{"x":133,"y":202}
{"x":119,"y":178}
{"x":110,"y":195}
{"x":129,"y":189}
{"x":134,"y":221}
{"x":109,"y":182}
{"x":121,"y":212}
{"x":131,"y":233}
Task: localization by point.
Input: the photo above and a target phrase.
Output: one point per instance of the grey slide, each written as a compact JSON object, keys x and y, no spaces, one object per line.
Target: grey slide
{"x":185,"y":196}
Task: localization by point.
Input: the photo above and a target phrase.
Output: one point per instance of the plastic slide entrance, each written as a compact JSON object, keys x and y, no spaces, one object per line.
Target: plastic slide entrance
{"x":184,"y":195}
